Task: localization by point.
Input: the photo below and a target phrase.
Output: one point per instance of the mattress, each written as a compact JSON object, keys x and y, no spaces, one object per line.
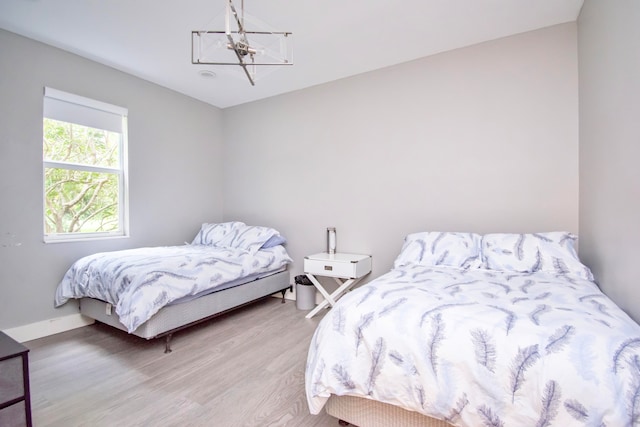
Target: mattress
{"x":176,"y":316}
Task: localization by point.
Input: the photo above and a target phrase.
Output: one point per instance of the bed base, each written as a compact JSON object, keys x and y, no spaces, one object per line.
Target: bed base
{"x":168,"y":335}
{"x":358,"y":411}
{"x":173,"y":318}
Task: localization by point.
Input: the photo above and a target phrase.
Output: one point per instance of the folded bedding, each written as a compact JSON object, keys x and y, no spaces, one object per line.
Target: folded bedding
{"x":139,"y":282}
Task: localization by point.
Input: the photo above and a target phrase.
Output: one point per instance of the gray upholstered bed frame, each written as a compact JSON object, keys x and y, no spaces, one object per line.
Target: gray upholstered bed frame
{"x":172,"y":318}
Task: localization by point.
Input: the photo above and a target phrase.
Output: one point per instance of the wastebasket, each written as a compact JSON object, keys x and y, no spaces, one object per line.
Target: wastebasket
{"x":305,"y":293}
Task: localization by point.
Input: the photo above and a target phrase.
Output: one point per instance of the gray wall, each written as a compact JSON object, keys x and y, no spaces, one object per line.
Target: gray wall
{"x":609,"y":60}
{"x":175,"y":170}
{"x":479,"y":139}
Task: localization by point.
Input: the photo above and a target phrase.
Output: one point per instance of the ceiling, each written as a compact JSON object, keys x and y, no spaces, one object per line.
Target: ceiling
{"x":332,"y":39}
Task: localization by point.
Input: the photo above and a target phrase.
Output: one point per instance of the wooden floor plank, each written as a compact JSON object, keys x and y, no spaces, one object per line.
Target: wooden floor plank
{"x":245,"y":368}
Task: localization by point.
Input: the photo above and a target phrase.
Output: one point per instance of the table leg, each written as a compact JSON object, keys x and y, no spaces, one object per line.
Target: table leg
{"x":329,"y":298}
{"x":320,"y":288}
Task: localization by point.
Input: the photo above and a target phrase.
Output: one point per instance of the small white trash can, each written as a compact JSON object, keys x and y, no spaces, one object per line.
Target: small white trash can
{"x":305,"y":296}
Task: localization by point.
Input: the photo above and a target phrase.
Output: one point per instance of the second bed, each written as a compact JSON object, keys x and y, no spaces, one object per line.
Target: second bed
{"x":153,"y":292}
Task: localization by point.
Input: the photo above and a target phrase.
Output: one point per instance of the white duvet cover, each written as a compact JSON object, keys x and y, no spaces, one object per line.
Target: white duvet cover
{"x":481,"y":348}
{"x":139,"y":282}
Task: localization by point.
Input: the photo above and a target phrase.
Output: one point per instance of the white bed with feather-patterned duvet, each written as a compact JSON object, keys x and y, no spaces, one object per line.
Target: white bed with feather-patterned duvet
{"x":229,"y":264}
{"x":493,"y":330}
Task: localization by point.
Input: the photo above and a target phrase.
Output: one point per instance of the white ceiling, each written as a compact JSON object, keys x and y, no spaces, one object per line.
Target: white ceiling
{"x":333,"y":39}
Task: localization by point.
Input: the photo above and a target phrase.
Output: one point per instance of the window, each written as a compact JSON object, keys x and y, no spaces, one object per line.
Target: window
{"x":84,"y":148}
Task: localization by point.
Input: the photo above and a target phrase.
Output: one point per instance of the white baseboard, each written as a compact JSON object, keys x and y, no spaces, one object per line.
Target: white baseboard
{"x":48,"y":327}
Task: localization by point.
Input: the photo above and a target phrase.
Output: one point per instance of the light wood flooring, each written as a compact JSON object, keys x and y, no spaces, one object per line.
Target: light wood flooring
{"x":245,"y":368}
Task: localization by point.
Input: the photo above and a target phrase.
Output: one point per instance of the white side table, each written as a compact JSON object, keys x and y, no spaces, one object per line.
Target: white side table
{"x":345,"y":269}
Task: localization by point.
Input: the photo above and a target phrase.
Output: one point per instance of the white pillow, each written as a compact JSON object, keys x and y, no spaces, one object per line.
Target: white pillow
{"x":250,"y":238}
{"x":211,"y":234}
{"x":274,"y":240}
{"x":433,"y":248}
{"x":552,"y":252}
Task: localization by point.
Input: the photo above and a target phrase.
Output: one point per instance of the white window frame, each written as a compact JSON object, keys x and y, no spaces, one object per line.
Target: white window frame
{"x":71,"y":108}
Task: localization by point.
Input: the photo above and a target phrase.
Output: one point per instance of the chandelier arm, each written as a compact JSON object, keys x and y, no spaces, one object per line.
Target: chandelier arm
{"x":240,"y":59}
{"x":235,"y":15}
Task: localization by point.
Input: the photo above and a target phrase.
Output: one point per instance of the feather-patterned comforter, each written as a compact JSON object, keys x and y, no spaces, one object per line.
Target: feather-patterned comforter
{"x":481,"y":348}
{"x":139,"y":282}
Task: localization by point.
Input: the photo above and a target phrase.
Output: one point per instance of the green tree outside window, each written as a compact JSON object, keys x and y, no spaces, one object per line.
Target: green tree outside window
{"x":82,"y":174}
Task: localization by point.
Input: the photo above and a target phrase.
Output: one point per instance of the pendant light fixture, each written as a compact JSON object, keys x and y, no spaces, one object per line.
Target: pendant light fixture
{"x":239,"y":46}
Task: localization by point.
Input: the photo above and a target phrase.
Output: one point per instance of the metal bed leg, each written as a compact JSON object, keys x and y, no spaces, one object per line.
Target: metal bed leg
{"x":167,"y":344}
{"x":284,"y":291}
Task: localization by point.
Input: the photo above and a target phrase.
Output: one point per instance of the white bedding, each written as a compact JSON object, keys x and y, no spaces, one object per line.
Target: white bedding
{"x":481,"y":348}
{"x":139,"y":282}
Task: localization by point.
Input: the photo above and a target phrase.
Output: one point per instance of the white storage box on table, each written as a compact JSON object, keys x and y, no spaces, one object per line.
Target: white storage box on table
{"x":343,"y":265}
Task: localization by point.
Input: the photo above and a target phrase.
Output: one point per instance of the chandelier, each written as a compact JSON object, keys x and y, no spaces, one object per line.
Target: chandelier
{"x":237,"y":45}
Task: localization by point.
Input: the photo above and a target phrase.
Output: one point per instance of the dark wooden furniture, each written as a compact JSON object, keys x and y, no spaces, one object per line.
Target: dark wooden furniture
{"x":15,"y":401}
